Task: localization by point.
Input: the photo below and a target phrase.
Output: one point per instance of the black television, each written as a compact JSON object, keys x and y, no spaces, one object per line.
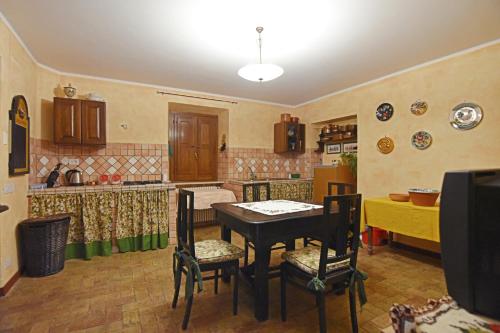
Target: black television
{"x":470,"y":239}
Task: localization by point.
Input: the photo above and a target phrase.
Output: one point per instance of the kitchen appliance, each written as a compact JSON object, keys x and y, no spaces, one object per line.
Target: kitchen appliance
{"x":74,"y":177}
{"x":469,"y":228}
{"x":53,"y":176}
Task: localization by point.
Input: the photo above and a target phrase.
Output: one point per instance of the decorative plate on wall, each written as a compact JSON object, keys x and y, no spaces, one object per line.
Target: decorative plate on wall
{"x":384,"y":112}
{"x":421,"y":140}
{"x":466,"y":116}
{"x":419,"y":107}
{"x":385,"y":145}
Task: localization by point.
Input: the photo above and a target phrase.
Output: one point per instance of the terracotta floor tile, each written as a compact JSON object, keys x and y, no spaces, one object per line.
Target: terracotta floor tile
{"x":132,"y":292}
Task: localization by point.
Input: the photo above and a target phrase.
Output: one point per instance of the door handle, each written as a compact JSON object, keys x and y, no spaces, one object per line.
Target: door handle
{"x":195,"y":155}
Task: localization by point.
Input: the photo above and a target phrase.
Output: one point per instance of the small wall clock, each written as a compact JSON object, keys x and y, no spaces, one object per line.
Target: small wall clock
{"x":384,"y":111}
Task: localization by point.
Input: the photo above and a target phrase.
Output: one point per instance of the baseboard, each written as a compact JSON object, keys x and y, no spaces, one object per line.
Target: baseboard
{"x":414,"y":249}
{"x":5,"y":289}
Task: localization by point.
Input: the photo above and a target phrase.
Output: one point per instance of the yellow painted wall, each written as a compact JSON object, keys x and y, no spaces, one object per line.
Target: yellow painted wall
{"x":471,"y":77}
{"x":146,"y":112}
{"x":18,"y":76}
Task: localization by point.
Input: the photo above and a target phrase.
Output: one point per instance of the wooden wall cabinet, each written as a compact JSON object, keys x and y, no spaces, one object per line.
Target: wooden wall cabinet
{"x":79,"y":121}
{"x":289,"y":138}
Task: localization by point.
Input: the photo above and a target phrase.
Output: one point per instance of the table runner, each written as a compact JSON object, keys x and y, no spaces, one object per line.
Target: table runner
{"x":277,"y":207}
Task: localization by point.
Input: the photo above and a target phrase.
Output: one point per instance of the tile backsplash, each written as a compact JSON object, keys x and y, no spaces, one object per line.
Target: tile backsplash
{"x":131,"y":161}
{"x":149,"y":161}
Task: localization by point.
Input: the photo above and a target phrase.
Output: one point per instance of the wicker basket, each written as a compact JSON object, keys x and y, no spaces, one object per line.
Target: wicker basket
{"x":44,"y":243}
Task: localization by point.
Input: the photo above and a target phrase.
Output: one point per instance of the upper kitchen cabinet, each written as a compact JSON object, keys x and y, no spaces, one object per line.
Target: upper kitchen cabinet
{"x":79,"y":121}
{"x":289,"y":137}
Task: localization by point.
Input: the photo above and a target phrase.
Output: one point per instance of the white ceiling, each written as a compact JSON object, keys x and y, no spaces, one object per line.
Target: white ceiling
{"x":323,"y":45}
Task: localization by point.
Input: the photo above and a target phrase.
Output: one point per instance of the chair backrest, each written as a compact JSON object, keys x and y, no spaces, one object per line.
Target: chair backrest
{"x":341,"y":228}
{"x":185,"y":221}
{"x":261,"y":191}
{"x":341,"y":187}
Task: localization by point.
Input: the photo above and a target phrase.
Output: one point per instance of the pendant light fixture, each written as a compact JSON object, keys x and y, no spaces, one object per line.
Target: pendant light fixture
{"x":260,"y":72}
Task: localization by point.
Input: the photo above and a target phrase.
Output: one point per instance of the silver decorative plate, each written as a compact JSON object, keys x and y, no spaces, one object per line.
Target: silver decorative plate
{"x":466,"y":116}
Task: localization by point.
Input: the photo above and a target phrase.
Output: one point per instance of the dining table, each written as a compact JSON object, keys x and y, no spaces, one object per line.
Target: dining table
{"x":264,"y":231}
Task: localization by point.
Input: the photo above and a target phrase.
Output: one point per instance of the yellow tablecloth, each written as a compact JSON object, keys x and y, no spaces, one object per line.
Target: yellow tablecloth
{"x":401,"y":217}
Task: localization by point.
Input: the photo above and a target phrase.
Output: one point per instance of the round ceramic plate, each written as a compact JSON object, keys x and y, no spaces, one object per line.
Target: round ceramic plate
{"x":419,"y":107}
{"x":466,"y":116}
{"x":385,"y":145}
{"x":384,"y":112}
{"x":421,"y":140}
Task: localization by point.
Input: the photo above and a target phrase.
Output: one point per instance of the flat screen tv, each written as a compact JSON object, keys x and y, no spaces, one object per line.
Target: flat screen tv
{"x":470,"y":239}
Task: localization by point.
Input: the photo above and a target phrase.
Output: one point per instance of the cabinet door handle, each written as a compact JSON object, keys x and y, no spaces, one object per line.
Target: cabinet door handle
{"x":72,"y":120}
{"x":98,"y":122}
{"x":195,"y":155}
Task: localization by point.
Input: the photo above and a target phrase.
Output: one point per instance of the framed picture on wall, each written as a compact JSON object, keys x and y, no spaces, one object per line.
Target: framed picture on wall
{"x":333,"y":148}
{"x":351,"y":147}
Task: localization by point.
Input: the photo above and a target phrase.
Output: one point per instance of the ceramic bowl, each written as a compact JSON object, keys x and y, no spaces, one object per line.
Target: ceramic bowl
{"x":401,"y":197}
{"x":423,"y":196}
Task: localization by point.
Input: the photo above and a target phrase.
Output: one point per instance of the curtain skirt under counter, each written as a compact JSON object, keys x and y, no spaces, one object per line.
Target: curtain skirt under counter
{"x":138,"y":220}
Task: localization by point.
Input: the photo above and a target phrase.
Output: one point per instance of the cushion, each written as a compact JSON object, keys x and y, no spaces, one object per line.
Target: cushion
{"x":216,"y":250}
{"x":307,"y":259}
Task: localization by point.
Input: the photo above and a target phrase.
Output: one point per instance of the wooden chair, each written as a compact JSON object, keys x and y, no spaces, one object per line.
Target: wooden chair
{"x":307,"y":266}
{"x":257,"y":195}
{"x":207,"y":255}
{"x":341,"y":187}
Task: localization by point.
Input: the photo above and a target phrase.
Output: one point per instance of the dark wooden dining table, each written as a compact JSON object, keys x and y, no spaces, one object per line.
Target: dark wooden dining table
{"x":264,"y":231}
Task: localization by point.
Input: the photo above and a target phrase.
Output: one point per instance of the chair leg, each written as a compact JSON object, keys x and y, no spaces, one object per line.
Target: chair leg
{"x":352,"y":306}
{"x":306,"y":242}
{"x":187,"y":312}
{"x":235,"y":288}
{"x":283,"y":294}
{"x":245,"y":261}
{"x":320,"y":300}
{"x":216,"y":281}
{"x":177,"y":284}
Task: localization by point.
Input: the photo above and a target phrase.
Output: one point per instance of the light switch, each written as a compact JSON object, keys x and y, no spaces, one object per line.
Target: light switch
{"x":9,"y":188}
{"x":5,"y":138}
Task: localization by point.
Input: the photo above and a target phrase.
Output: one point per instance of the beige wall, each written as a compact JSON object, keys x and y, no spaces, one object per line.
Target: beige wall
{"x":471,"y":77}
{"x":146,"y":112}
{"x":17,"y":76}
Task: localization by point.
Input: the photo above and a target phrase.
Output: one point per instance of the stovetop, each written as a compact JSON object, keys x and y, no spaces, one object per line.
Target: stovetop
{"x":141,"y":182}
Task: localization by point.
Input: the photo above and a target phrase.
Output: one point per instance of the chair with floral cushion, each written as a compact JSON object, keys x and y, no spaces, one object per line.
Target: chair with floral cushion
{"x":334,"y":263}
{"x":191,"y":258}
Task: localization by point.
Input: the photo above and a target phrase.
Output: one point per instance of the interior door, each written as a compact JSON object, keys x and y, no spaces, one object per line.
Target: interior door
{"x":185,"y":146}
{"x":195,"y":147}
{"x":207,"y":148}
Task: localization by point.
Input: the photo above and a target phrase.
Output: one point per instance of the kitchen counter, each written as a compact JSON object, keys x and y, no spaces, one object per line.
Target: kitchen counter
{"x":270,"y":180}
{"x":99,"y":188}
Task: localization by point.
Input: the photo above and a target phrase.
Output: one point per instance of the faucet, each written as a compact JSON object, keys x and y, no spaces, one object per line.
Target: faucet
{"x":253,"y":176}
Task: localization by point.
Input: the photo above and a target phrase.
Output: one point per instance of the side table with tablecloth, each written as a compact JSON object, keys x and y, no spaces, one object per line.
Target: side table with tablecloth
{"x":400,"y":217}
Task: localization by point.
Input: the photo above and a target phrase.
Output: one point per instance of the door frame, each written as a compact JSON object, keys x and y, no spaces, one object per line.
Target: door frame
{"x":172,"y":133}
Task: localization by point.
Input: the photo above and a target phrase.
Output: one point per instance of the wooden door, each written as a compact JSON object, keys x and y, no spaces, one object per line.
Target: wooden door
{"x":207,"y":148}
{"x":93,"y":123}
{"x":194,"y":138}
{"x":184,"y":146}
{"x":67,"y":121}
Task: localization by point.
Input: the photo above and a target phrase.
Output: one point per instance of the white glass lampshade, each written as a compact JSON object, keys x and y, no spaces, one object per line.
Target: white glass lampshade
{"x":260,"y":72}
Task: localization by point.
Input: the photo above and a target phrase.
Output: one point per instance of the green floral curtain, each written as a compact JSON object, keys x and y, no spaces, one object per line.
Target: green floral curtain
{"x":293,"y":190}
{"x":91,"y":220}
{"x":142,"y":221}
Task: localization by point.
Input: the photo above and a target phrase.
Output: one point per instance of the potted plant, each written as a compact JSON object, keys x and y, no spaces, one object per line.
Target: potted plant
{"x":350,"y":160}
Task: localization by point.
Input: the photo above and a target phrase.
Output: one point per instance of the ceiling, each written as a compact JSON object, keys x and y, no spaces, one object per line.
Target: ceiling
{"x":323,"y":45}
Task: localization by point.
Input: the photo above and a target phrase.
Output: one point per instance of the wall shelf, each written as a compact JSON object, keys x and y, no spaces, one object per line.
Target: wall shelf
{"x":3,"y":208}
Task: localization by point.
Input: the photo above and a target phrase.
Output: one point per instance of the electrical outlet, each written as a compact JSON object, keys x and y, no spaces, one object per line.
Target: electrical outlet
{"x":9,"y":188}
{"x":73,"y":161}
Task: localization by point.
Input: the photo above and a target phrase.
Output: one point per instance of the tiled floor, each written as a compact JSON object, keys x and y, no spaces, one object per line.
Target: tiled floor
{"x":132,"y":292}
